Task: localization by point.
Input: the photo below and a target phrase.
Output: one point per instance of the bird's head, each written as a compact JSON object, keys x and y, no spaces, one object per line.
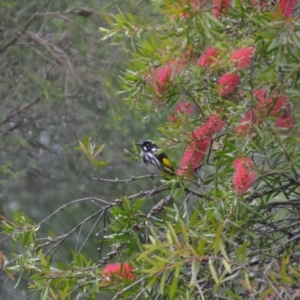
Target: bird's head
{"x":148,"y":146}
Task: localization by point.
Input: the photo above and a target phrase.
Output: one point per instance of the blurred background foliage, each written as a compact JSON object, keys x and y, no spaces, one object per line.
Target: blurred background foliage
{"x":58,"y":83}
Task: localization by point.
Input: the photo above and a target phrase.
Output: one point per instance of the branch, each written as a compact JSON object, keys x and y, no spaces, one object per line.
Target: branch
{"x":133,"y":178}
{"x":278,"y":247}
{"x":70,"y":203}
{"x":80,"y":11}
{"x":278,"y":204}
{"x":255,"y":195}
{"x":14,"y":112}
{"x":27,"y":24}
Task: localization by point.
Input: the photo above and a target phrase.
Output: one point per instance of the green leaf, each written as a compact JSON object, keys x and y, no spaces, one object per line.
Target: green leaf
{"x":218,"y":240}
{"x":173,"y":234}
{"x":174,"y":284}
{"x":213,"y":271}
{"x":226,"y":265}
{"x":162,"y":282}
{"x":195,"y":267}
{"x":223,"y":251}
{"x":45,"y":293}
{"x":99,"y":164}
{"x":153,"y":281}
{"x":54,"y":296}
{"x":44,"y":262}
{"x":98,"y":151}
{"x":283,"y":270}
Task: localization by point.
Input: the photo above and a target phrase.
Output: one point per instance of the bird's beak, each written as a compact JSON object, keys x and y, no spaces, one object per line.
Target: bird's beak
{"x":139,"y":144}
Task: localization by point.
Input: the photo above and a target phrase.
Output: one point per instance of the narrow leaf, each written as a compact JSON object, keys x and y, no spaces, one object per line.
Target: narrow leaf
{"x":100,"y":149}
{"x":213,"y":271}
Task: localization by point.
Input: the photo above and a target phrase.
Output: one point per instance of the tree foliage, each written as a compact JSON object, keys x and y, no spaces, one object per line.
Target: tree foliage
{"x":226,"y":225}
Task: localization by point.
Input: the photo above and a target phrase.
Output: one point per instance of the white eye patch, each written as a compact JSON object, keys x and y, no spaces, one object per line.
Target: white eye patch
{"x":145,"y":148}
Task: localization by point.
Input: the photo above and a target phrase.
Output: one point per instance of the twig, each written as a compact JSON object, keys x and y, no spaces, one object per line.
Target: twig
{"x":129,"y":287}
{"x":133,"y":178}
{"x":27,"y":24}
{"x":193,"y":99}
{"x":89,"y":234}
{"x":278,"y":204}
{"x":17,"y":111}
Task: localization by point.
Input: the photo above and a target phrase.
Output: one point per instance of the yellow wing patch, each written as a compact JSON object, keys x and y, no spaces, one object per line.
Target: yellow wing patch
{"x":167,"y":163}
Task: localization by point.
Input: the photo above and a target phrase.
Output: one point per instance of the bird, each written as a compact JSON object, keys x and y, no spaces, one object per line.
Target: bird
{"x":154,"y":161}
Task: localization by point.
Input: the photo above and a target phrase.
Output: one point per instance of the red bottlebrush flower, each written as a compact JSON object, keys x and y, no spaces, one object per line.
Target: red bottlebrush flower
{"x":244,"y":174}
{"x":220,"y":6}
{"x":123,"y":270}
{"x":285,"y":121}
{"x":263,"y":108}
{"x":184,"y":15}
{"x":263,"y":104}
{"x":207,"y":58}
{"x":278,"y":105}
{"x":197,"y":149}
{"x":172,"y":117}
{"x":242,"y":57}
{"x":227,"y":83}
{"x":256,"y":115}
{"x":213,"y":125}
{"x":260,"y":94}
{"x":182,"y":107}
{"x":163,"y":76}
{"x":286,"y":7}
{"x":245,"y":128}
{"x":193,"y":155}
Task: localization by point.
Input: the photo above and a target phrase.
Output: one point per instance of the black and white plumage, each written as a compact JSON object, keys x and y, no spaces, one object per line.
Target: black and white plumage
{"x":155,"y":163}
